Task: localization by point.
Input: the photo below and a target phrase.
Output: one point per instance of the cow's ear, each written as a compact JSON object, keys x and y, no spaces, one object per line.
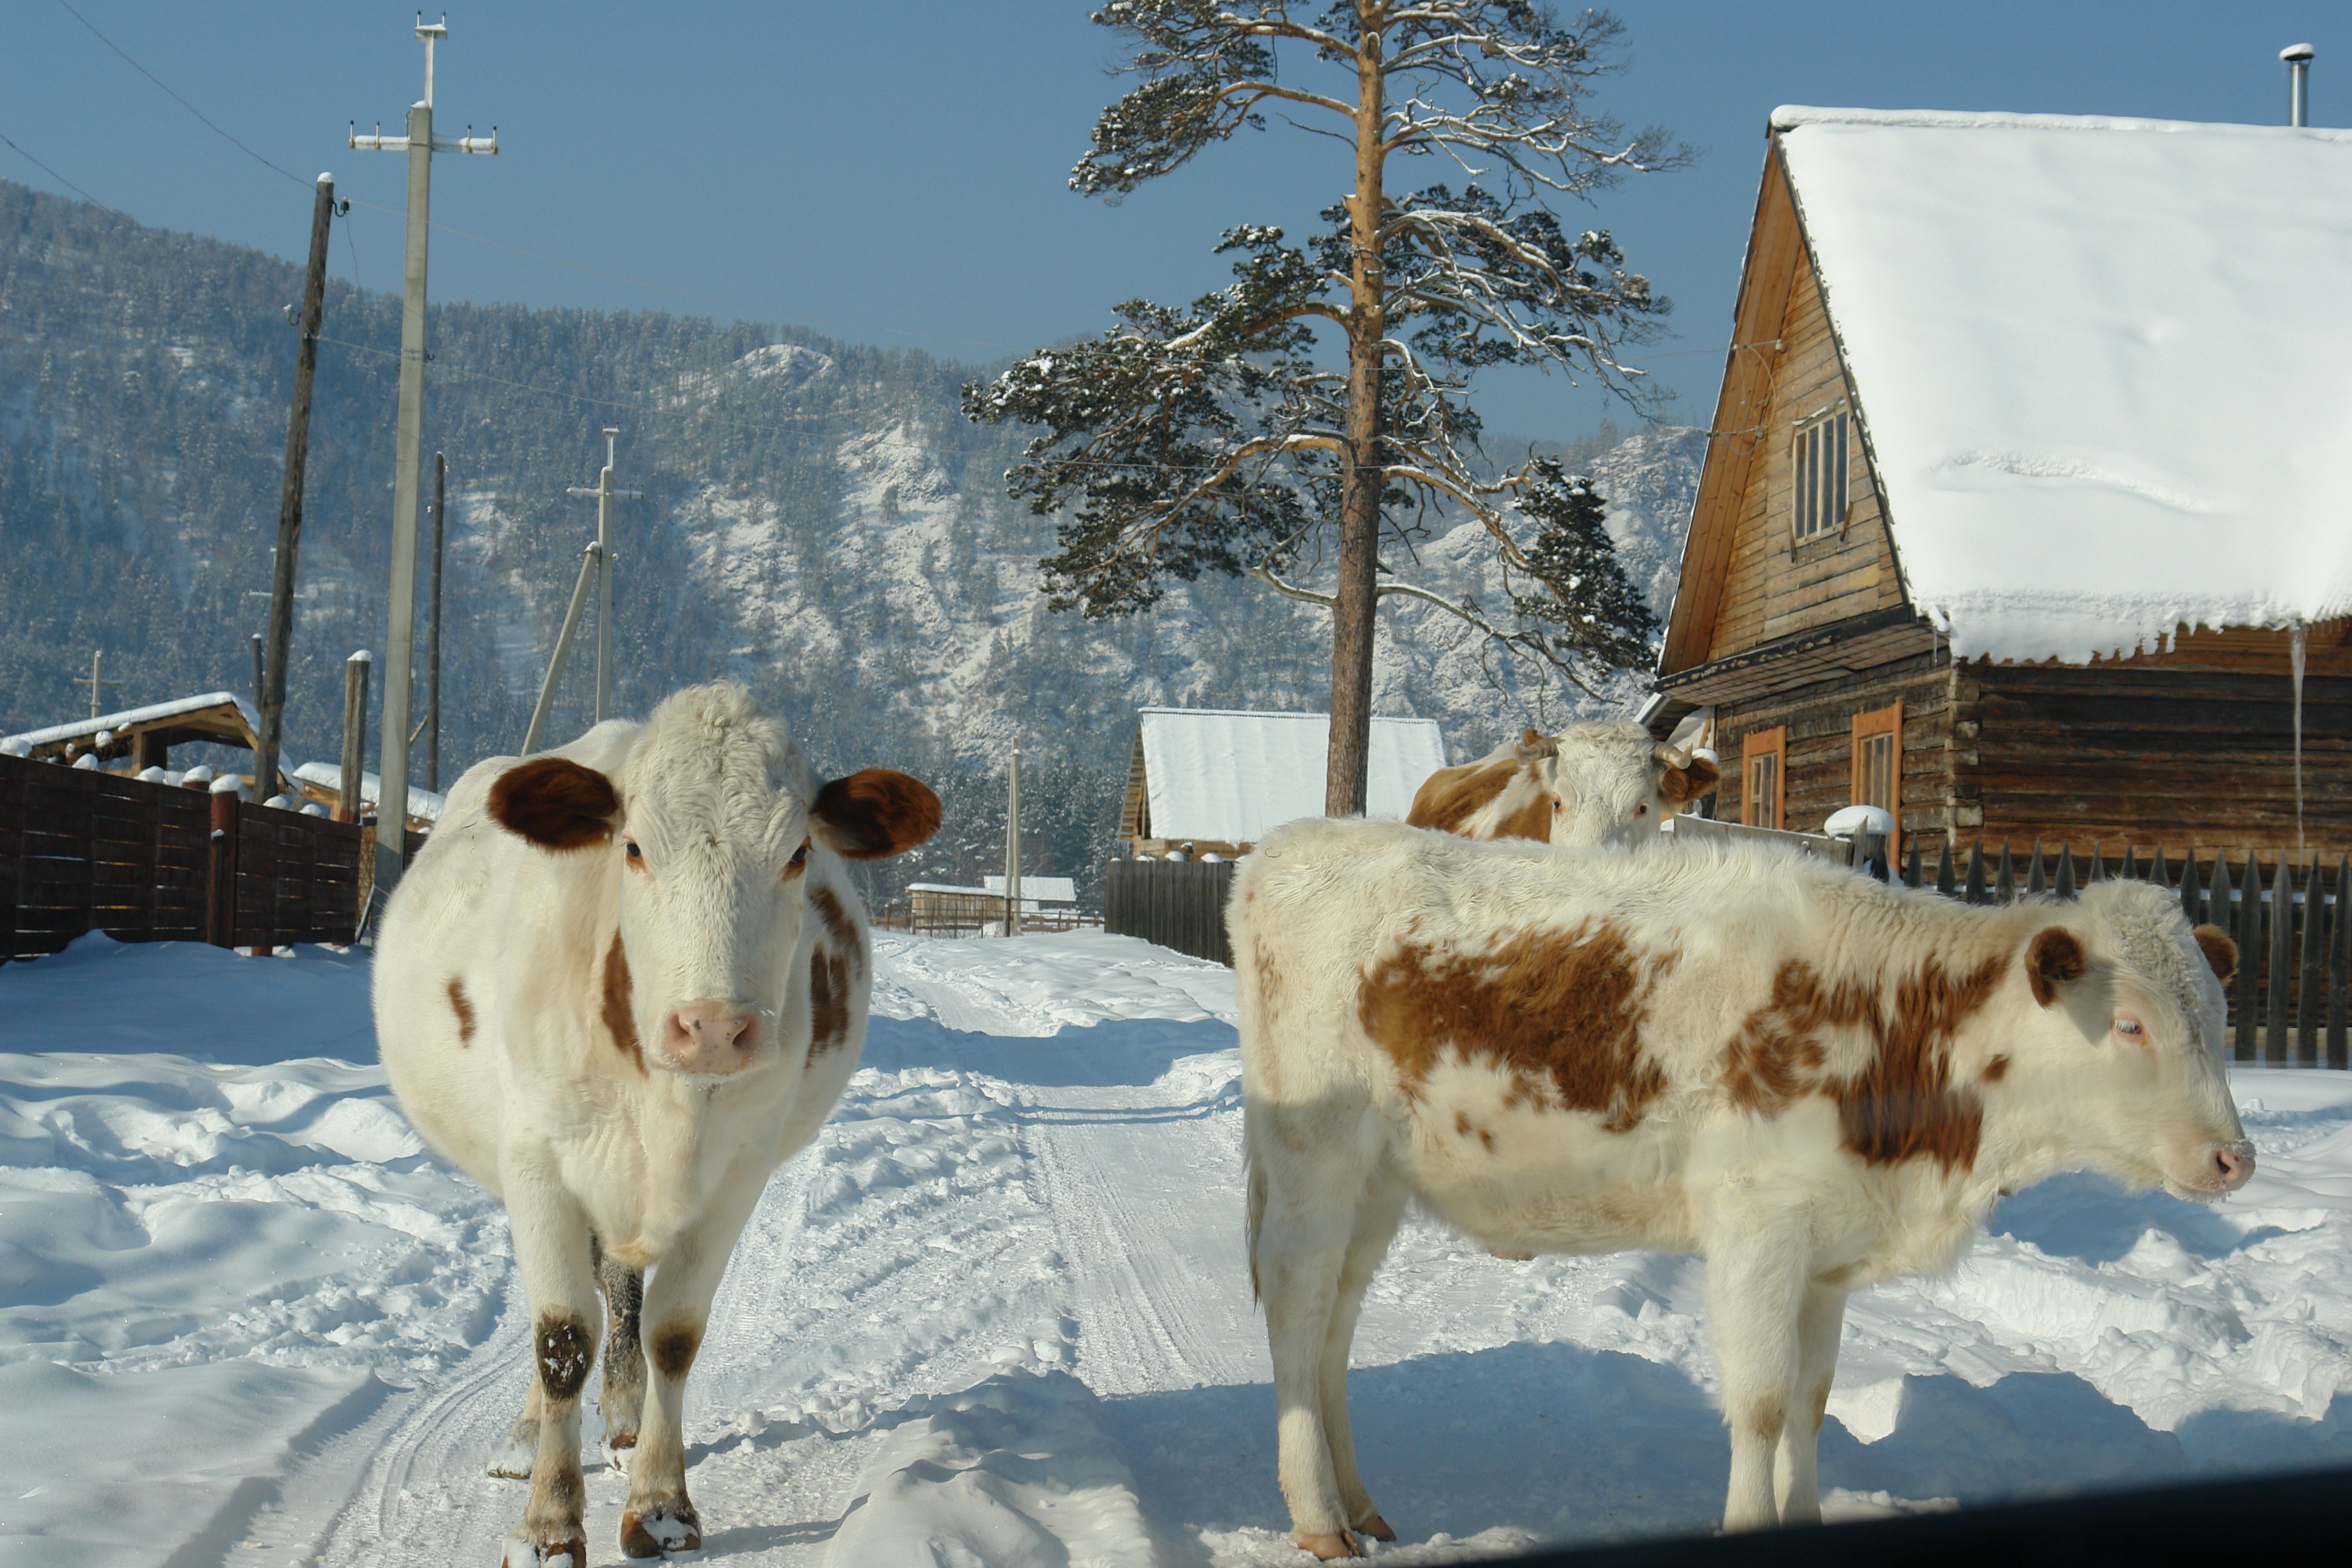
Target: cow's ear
{"x":875,"y":812}
{"x":1692,"y":780}
{"x":556,"y":804}
{"x":2220,"y":951}
{"x":2053,"y":959}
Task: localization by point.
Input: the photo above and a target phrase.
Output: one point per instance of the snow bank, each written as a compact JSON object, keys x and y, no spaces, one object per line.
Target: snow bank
{"x":2101,"y":364}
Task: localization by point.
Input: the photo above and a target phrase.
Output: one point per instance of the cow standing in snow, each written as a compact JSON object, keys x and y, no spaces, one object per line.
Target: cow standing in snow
{"x":623,"y":980}
{"x":1815,"y":1080}
{"x":1605,"y":782}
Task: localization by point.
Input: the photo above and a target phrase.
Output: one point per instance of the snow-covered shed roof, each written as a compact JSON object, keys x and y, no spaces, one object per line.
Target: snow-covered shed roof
{"x":2101,"y":363}
{"x":326,"y":778}
{"x":1035,"y":891}
{"x":1229,"y":776}
{"x":148,"y":716}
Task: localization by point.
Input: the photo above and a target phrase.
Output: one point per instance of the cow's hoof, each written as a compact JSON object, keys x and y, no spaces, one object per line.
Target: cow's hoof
{"x":513,"y":1457}
{"x":619,"y":1450}
{"x":1512,"y":1257}
{"x":1373,"y":1525}
{"x":524,"y":1553}
{"x":666,"y":1527}
{"x":1339,"y":1543}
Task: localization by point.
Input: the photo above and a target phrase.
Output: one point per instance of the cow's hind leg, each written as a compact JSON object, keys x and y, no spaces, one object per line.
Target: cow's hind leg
{"x":1756,"y":1287}
{"x":1377,"y":1216}
{"x":622,"y":1403}
{"x":513,"y":1457}
{"x":660,"y":1516}
{"x":1819,"y":1323}
{"x":1308,"y":1176}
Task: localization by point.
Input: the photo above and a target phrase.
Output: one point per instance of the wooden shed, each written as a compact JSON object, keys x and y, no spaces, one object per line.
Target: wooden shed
{"x":1214,"y":780}
{"x":138,"y":739}
{"x":2027,"y":513}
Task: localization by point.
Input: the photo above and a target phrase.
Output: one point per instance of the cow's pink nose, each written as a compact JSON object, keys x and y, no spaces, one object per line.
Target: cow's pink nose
{"x":710,"y":1036}
{"x":2236,"y":1164}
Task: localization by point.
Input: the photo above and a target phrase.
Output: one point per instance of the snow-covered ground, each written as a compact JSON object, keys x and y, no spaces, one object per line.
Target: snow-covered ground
{"x":997,"y":1315}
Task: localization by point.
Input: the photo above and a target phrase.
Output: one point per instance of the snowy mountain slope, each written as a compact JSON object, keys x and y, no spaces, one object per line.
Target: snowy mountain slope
{"x":997,"y":1314}
{"x":820,"y":521}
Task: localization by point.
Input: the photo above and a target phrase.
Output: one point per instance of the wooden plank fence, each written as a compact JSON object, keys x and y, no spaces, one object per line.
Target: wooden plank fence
{"x":1176,"y":903}
{"x":82,"y":850}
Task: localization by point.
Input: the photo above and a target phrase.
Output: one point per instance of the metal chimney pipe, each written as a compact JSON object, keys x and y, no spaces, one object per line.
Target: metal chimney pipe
{"x":2298,"y":69}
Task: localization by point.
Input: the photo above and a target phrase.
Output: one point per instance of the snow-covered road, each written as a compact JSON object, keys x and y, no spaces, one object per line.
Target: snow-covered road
{"x":998,"y":1314}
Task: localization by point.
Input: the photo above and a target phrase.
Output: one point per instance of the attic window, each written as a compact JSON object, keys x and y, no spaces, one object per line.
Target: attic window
{"x":1818,"y":459}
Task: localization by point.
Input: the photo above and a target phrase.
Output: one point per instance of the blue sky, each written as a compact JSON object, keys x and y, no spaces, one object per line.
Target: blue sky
{"x":893,"y":171}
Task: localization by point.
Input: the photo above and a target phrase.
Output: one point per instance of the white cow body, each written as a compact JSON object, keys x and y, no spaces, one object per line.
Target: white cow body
{"x":1815,"y":1080}
{"x":621,"y":982}
{"x":1604,"y":782}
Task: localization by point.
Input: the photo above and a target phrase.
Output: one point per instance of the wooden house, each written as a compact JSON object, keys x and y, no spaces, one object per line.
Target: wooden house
{"x":2027,"y":513}
{"x":1206,"y":782}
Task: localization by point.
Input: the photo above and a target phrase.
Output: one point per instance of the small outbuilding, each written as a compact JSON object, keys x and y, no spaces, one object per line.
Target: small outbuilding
{"x":1207,"y":782}
{"x":142,"y":738}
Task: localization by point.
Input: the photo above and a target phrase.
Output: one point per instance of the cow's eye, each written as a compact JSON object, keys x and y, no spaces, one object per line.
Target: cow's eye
{"x":1643,"y":809}
{"x":636,"y":856}
{"x":799,"y":860}
{"x":2131,"y":1028}
{"x":1558,"y":805}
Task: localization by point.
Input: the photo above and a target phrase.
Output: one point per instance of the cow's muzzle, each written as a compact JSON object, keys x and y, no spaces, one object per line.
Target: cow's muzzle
{"x":710,"y":1036}
{"x":2233,"y":1164}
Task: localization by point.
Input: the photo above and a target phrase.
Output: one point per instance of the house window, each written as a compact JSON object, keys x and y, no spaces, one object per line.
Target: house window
{"x":1878,"y":761}
{"x":1764,"y":785}
{"x":1821,"y":468}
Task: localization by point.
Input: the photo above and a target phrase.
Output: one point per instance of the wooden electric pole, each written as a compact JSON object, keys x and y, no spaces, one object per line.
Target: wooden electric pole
{"x":432,"y":636}
{"x":349,"y":806}
{"x":271,"y":697}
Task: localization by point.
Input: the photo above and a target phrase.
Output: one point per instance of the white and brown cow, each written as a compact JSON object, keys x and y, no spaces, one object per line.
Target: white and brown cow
{"x":1605,"y":782}
{"x":622,"y":981}
{"x":1815,"y":1080}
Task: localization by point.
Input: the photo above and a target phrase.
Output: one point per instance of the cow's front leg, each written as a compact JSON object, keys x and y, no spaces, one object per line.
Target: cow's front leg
{"x":660,"y":1517}
{"x":550,"y":1237}
{"x":1756,"y":1285}
{"x":1819,"y":1322}
{"x":513,"y":1457}
{"x":622,"y":1403}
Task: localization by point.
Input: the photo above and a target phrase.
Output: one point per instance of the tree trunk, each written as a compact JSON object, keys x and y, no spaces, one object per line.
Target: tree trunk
{"x":1353,"y":625}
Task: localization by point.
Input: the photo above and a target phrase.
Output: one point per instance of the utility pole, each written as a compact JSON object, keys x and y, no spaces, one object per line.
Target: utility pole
{"x":94,"y":682}
{"x":588,"y":560}
{"x":269,"y":675}
{"x":432,"y":636}
{"x":400,"y":636}
{"x":606,"y":495}
{"x":1012,"y":849}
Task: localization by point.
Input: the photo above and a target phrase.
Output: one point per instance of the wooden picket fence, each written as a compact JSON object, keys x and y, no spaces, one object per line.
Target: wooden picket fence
{"x":2291,"y":922}
{"x":82,"y":850}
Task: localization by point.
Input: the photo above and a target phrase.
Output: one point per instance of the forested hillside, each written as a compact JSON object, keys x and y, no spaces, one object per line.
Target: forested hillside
{"x":819,"y":521}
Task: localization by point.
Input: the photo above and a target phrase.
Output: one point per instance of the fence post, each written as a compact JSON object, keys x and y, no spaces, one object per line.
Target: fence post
{"x":2004,"y":887}
{"x":2250,"y":952}
{"x":2192,"y":898}
{"x":2098,"y":872}
{"x":1944,"y":883}
{"x":2339,"y":964}
{"x":2280,"y":940}
{"x":1976,"y":884}
{"x":2131,"y":863}
{"x":220,"y":871}
{"x":2033,"y":882}
{"x":2312,"y":977}
{"x":2065,"y":870}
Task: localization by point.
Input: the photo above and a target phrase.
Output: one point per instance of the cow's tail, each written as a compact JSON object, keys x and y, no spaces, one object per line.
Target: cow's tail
{"x":1254,"y":1182}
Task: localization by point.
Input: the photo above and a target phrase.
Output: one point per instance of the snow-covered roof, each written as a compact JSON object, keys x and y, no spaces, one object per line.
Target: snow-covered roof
{"x":1229,"y":776}
{"x":329,"y":776}
{"x":2102,"y":364}
{"x":148,"y":714}
{"x":1035,"y":891}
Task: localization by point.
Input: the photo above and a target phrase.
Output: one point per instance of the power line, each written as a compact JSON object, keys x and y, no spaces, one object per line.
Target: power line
{"x":183,"y":103}
{"x":61,"y":179}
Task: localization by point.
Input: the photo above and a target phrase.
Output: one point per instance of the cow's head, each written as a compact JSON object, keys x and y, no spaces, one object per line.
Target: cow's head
{"x":1610,"y":783}
{"x":2130,"y":1055}
{"x":717,"y":838}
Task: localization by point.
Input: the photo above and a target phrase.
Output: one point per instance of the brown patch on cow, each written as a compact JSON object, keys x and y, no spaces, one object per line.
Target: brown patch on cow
{"x":556,"y":804}
{"x":829,"y":982}
{"x":464,"y":1011}
{"x":1532,"y":820}
{"x":1995,"y":1070}
{"x":1451,"y":796}
{"x":2220,"y":953}
{"x":620,"y":1016}
{"x":876,"y":812}
{"x":1902,"y":1105}
{"x":1767,"y":1416}
{"x":565,"y":1350}
{"x":1560,"y":1014}
{"x":1820,"y":1403}
{"x":2052,"y":959}
{"x":673,"y":1348}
